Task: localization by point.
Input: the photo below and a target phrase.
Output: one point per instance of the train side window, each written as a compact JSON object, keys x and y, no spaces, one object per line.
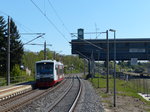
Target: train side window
{"x":56,"y":67}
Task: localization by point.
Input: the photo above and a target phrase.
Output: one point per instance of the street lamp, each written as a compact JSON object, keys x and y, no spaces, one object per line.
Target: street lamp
{"x":98,"y":52}
{"x":107,"y":57}
{"x":114,"y":65}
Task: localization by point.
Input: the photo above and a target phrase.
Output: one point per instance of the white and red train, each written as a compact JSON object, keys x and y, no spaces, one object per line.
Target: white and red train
{"x":48,"y":73}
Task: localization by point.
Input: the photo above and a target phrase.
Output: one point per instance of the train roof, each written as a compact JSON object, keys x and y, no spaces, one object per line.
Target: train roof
{"x":46,"y":61}
{"x":59,"y":63}
{"x":52,"y":61}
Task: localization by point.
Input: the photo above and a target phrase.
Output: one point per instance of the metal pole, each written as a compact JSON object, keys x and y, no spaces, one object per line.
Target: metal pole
{"x":84,"y":66}
{"x":147,"y":87}
{"x":98,"y":70}
{"x":107,"y":84}
{"x":8,"y":53}
{"x":89,"y":67}
{"x":114,"y":65}
{"x":45,"y":51}
{"x":114,"y":68}
{"x":143,"y":86}
{"x":92,"y":65}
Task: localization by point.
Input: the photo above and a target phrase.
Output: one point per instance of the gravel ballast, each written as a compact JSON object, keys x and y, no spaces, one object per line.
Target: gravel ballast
{"x":89,"y":100}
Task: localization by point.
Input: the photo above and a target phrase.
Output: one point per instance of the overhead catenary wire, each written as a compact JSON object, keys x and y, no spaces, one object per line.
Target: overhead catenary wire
{"x":25,"y":28}
{"x":31,"y":33}
{"x":26,"y":31}
{"x":29,"y":42}
{"x":88,"y":41}
{"x":91,"y":44}
{"x":22,"y":26}
{"x":82,"y":55}
{"x":44,"y":8}
{"x":4,"y":13}
{"x":58,"y":16}
{"x":49,"y":20}
{"x":34,"y":39}
{"x":39,"y":44}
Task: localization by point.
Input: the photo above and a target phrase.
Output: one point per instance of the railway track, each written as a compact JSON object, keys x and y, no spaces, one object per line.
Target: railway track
{"x":62,"y":97}
{"x":68,"y":100}
{"x":19,"y":101}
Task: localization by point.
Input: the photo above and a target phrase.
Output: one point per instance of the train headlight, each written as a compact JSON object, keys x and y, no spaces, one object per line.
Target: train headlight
{"x":51,"y":75}
{"x":38,"y":76}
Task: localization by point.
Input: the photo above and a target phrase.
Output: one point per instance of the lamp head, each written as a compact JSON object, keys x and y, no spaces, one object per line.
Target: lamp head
{"x":112,"y":30}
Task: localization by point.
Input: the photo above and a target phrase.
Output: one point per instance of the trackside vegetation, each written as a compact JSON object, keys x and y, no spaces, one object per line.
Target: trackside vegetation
{"x":22,"y":62}
{"x":72,"y":64}
{"x":123,"y":88}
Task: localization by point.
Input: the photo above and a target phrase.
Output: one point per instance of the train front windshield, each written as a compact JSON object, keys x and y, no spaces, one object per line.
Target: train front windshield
{"x":44,"y":68}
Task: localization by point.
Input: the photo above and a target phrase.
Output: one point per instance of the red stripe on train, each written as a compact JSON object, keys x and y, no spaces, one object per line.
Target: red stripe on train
{"x":48,"y":84}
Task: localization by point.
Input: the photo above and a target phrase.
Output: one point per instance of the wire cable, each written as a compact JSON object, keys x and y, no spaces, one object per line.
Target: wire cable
{"x":88,"y":42}
{"x":22,"y":26}
{"x":49,"y":20}
{"x":4,"y":13}
{"x":58,"y":16}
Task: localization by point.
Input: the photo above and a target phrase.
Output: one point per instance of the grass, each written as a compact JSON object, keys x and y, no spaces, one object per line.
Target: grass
{"x":123,"y":88}
{"x":16,"y":80}
{"x":2,"y":81}
{"x":104,"y":95}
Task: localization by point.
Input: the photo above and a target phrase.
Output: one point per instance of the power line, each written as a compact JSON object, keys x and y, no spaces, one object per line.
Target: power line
{"x":31,"y":33}
{"x":34,"y":38}
{"x":58,"y":16}
{"x":82,"y":55}
{"x":88,"y":41}
{"x":4,"y":13}
{"x":44,"y":8}
{"x":16,"y":21}
{"x":25,"y":28}
{"x":49,"y":21}
{"x":39,"y":44}
{"x":22,"y":26}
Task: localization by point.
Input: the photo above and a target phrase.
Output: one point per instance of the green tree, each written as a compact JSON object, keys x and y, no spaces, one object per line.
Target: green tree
{"x":49,"y":54}
{"x":2,"y":46}
{"x":73,"y":62}
{"x":16,"y":46}
{"x":29,"y":59}
{"x":16,"y":73}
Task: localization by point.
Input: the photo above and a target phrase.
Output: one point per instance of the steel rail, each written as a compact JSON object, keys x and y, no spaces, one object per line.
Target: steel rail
{"x":77,"y":97}
{"x":61,"y":97}
{"x":72,"y":107}
{"x":27,"y":101}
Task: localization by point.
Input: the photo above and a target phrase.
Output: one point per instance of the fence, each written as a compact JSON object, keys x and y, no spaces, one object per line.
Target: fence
{"x":15,"y":80}
{"x":140,"y":83}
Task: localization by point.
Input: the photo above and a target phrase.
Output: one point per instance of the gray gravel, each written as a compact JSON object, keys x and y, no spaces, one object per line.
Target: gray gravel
{"x":89,"y":100}
{"x":65,"y":104}
{"x":42,"y":104}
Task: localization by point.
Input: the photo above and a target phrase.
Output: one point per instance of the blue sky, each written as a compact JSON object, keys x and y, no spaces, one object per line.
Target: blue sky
{"x":130,"y":18}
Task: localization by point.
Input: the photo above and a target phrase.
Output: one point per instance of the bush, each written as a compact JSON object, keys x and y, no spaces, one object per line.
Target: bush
{"x":2,"y":81}
{"x":16,"y":73}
